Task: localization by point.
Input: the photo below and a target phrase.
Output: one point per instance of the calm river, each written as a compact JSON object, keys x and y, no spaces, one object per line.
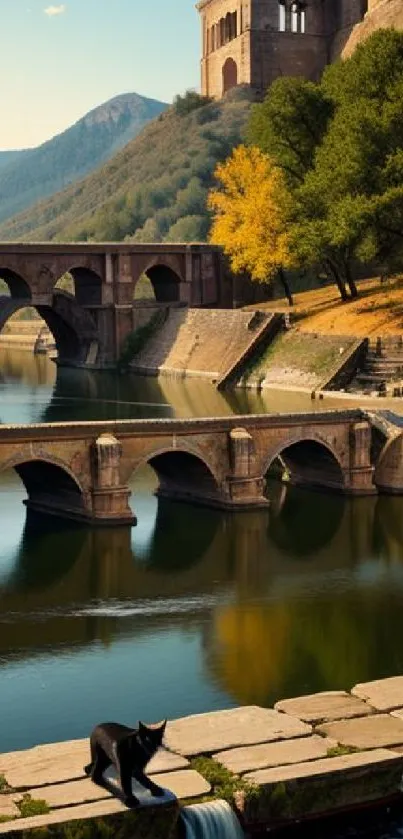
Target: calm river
{"x":192,"y":610}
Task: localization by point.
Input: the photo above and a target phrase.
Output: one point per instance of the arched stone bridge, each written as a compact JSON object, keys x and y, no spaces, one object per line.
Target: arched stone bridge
{"x":83,"y":470}
{"x":90,"y":326}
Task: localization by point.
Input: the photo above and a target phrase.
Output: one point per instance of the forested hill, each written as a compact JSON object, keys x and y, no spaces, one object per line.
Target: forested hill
{"x":152,"y":190}
{"x":30,"y":175}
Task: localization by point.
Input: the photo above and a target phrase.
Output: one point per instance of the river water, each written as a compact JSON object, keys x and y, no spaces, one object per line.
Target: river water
{"x":192,"y":610}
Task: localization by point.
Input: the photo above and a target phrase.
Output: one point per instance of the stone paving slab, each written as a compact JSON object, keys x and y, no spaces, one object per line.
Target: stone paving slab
{"x":182,"y":784}
{"x":60,"y":762}
{"x":249,"y":758}
{"x":324,"y":707}
{"x":376,"y":731}
{"x":208,"y":733}
{"x":383,"y":694}
{"x":8,"y":807}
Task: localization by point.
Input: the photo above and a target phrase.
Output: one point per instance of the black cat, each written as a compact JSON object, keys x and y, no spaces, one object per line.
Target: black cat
{"x":129,"y":750}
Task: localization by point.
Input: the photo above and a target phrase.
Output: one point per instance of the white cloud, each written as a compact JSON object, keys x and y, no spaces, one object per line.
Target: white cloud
{"x":51,"y":11}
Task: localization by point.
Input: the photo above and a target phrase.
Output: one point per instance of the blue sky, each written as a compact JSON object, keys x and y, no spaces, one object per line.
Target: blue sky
{"x":60,"y":59}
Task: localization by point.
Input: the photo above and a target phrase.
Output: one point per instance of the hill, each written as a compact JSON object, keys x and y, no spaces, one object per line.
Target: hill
{"x":154,"y":189}
{"x":29,"y":175}
{"x":7,"y":157}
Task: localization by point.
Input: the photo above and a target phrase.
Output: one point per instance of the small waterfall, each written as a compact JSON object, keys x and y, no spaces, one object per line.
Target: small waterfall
{"x":213,"y":820}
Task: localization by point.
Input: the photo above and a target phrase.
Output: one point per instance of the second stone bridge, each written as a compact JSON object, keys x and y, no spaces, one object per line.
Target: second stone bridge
{"x":83,"y":471}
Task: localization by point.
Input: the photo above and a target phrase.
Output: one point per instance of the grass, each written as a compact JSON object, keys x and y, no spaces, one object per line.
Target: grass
{"x":223,"y":782}
{"x":338,"y":751}
{"x":377,"y":311}
{"x":29,"y":806}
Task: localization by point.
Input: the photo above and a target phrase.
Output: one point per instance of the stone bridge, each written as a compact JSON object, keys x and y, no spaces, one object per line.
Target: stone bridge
{"x":84,"y":470}
{"x":90,"y":325}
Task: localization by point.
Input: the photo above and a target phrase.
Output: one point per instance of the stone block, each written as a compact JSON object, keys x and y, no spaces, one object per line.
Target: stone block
{"x":55,"y":763}
{"x":322,"y":786}
{"x":382,"y":694}
{"x":249,"y":758}
{"x":376,"y":731}
{"x":208,"y":733}
{"x":324,"y":707}
{"x":185,"y":783}
{"x":101,"y":818}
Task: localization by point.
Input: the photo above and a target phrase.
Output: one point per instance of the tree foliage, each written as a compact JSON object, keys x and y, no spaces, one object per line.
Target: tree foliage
{"x":250,"y":209}
{"x":340,"y":146}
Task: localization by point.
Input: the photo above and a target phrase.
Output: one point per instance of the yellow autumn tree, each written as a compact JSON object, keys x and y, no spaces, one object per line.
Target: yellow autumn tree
{"x":250,"y":210}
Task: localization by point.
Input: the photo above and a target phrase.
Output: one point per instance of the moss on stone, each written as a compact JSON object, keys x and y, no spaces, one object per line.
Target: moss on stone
{"x":223,"y":782}
{"x":29,"y":806}
{"x":338,"y":751}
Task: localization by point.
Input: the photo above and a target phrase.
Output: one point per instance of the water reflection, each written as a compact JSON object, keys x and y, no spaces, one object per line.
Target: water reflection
{"x":33,"y":389}
{"x":211,"y":609}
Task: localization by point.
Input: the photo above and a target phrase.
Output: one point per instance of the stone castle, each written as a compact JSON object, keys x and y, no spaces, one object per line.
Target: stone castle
{"x":253,"y":42}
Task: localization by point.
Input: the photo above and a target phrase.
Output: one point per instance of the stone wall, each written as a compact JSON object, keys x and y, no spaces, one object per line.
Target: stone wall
{"x":199,"y":342}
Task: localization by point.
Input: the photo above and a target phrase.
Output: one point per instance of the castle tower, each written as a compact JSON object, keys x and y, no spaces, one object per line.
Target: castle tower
{"x":253,"y":42}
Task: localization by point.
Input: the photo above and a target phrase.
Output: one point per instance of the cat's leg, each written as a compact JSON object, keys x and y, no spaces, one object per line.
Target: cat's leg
{"x":147,"y":783}
{"x":126,"y":783}
{"x":101,"y":762}
{"x":88,"y":769}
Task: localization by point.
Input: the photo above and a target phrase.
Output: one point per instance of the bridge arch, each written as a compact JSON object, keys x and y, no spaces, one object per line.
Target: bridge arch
{"x":166,"y":282}
{"x":87,"y":285}
{"x":309,"y":461}
{"x":183,"y":474}
{"x":19,"y":288}
{"x":51,"y":486}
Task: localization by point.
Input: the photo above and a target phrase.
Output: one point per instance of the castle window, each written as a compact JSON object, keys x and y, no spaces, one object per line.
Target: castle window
{"x":281,"y":16}
{"x":294,"y":19}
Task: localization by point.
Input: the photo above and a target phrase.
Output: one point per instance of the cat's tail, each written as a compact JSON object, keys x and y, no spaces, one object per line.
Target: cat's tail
{"x":88,"y":768}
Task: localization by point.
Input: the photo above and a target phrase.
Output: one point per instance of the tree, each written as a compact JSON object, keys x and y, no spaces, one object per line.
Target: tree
{"x":251,"y":207}
{"x":340,"y":146}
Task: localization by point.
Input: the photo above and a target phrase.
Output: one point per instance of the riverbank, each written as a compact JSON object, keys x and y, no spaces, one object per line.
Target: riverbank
{"x":305,"y":758}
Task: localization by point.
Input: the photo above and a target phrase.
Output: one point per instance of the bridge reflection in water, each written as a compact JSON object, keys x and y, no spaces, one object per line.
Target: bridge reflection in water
{"x":196,"y":611}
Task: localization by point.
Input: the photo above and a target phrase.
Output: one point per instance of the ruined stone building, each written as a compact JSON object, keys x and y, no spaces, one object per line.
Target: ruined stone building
{"x":254,"y":41}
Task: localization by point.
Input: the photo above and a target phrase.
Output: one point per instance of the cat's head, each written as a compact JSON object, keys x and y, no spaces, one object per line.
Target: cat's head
{"x":152,"y":735}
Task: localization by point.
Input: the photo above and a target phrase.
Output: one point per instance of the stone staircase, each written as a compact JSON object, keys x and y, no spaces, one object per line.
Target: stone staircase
{"x":201,"y":342}
{"x":382,"y":370}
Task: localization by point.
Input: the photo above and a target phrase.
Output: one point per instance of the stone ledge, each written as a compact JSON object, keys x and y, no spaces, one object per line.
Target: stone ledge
{"x":91,"y":820}
{"x":249,"y":758}
{"x":55,"y":763}
{"x":382,"y":694}
{"x":209,"y":733}
{"x":324,"y":707}
{"x":375,"y":731}
{"x":320,"y":787}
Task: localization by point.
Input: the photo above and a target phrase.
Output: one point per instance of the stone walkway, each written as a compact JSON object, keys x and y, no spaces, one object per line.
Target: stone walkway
{"x":308,"y":755}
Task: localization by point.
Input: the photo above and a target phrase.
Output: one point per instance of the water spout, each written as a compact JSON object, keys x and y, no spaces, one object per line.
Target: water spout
{"x":213,"y":820}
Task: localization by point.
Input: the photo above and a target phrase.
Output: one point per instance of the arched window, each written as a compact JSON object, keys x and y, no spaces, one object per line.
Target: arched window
{"x":229,"y":75}
{"x":222,"y":32}
{"x":234,"y":26}
{"x":281,"y":16}
{"x":228,"y":28}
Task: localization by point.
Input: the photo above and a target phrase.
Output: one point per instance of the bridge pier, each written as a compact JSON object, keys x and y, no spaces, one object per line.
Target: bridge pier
{"x":110,"y":500}
{"x":244,"y":489}
{"x":359,"y":478}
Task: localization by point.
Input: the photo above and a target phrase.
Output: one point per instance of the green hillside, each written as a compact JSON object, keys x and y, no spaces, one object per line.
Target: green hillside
{"x":29,"y":175}
{"x":154,"y":189}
